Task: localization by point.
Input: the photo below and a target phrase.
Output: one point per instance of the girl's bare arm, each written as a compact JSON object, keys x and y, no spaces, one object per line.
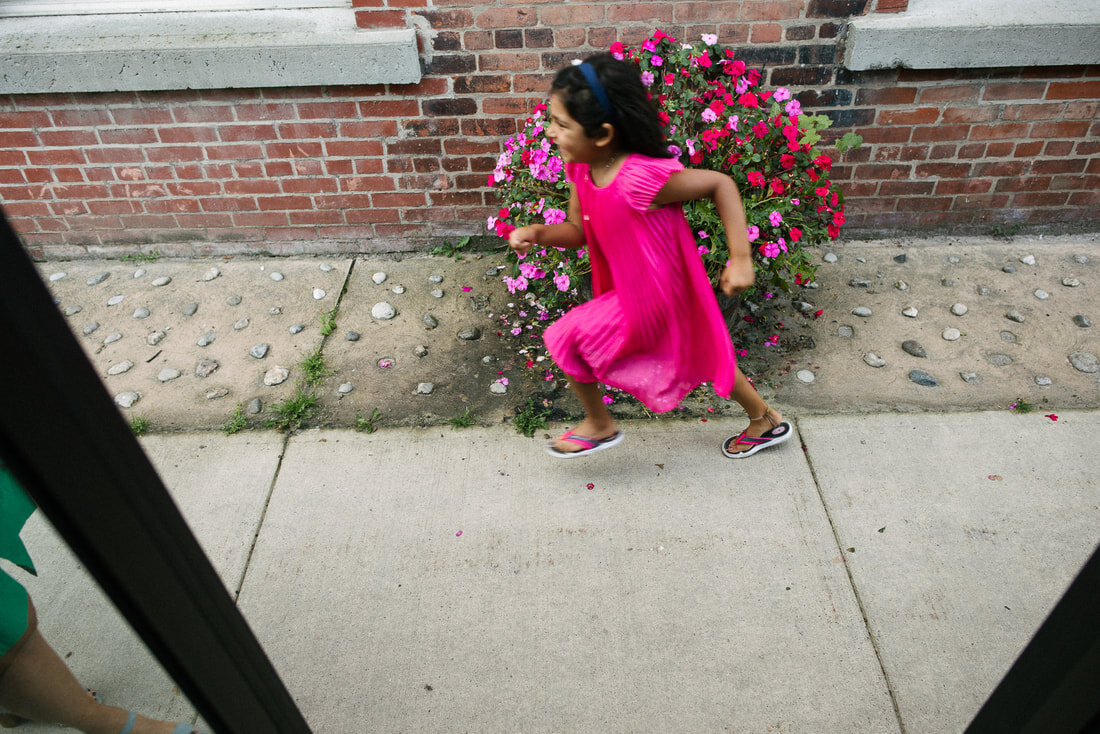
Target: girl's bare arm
{"x":569,"y":234}
{"x":691,"y":184}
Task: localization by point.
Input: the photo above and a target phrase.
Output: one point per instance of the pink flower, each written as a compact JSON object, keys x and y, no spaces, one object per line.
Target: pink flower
{"x":770,"y":249}
{"x":753,"y":232}
{"x":782,"y":94}
{"x":561,"y":280}
{"x":703,"y":249}
{"x":553,"y":216}
{"x":772,"y":340}
{"x":608,"y":400}
{"x":775,"y":218}
{"x":647,"y":78}
{"x":709,"y":115}
{"x":656,"y":60}
{"x":710,"y":39}
{"x":467,"y":288}
{"x":794,"y":108}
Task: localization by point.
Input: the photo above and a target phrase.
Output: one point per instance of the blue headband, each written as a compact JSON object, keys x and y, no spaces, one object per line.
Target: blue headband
{"x":598,"y":90}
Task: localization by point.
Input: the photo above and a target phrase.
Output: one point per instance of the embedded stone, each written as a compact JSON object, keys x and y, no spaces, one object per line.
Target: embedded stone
{"x":210,"y":274}
{"x":383,"y":311}
{"x":425,"y":388}
{"x":207,"y":339}
{"x":115,"y":300}
{"x":140,"y":273}
{"x":845,"y":332}
{"x":420,"y":350}
{"x":498,"y":388}
{"x":874,"y":360}
{"x":164,"y":280}
{"x":168,"y":374}
{"x":1015,"y":315}
{"x":901,"y":285}
{"x":913,"y":347}
{"x":999,"y":360}
{"x":910,"y":311}
{"x":1043,"y":381}
{"x":805,"y":376}
{"x":1009,"y":269}
{"x":1084,"y":362}
{"x":922,"y":378}
{"x":1081,"y":259}
{"x":1041,"y":294}
{"x":91,"y":327}
{"x":123,"y":366}
{"x":352,"y":336}
{"x":96,"y":280}
{"x":57,"y":276}
{"x":242,"y":324}
{"x":218,"y":392}
{"x":1082,"y":321}
{"x":470,"y":333}
{"x":379,"y":278}
{"x":1071,"y":282}
{"x":959,"y":309}
{"x":112,"y":338}
{"x":255,"y":406}
{"x":234,"y":300}
{"x":860,"y":283}
{"x":430,"y":321}
{"x":435,"y":278}
{"x":901,"y":258}
{"x":951,"y":335}
{"x":1028,"y":259}
{"x":830,"y":257}
{"x":970,"y":378}
{"x":861,"y":311}
{"x":141,"y":313}
{"x":318,"y":294}
{"x":206,"y":367}
{"x":276,"y":276}
{"x":345,"y":388}
{"x":437,"y":293}
{"x":275,"y":310}
{"x":190,"y":309}
{"x":399,"y":289}
{"x":127,"y":399}
{"x":1008,"y":336}
{"x":73,"y":310}
{"x":326,"y":268}
{"x":155,"y":338}
{"x":276,"y":376}
{"x":296,"y":328}
{"x":259,"y":351}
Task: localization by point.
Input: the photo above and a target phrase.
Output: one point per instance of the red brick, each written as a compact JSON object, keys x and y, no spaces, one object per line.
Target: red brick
{"x":889,"y":189}
{"x":252,"y":187}
{"x":1032,"y":111}
{"x":964,"y":186}
{"x":1040,"y":199}
{"x":191,"y":134}
{"x":526,"y":17}
{"x":1015,"y":90}
{"x":368,"y":166}
{"x":53,"y":138}
{"x":1029,"y":149}
{"x":380,"y":18}
{"x":249,"y":133}
{"x":204,"y":221}
{"x":128,"y":136}
{"x":1024,"y":183}
{"x":954,"y":93}
{"x":433,"y":214}
{"x":462,"y":146}
{"x":275,"y":169}
{"x":227,"y":204}
{"x":1058,"y":148}
{"x":891,"y":6}
{"x":114,"y":206}
{"x":924,"y":203}
{"x":488,"y":127}
{"x":316,"y":185}
{"x":313,"y":216}
{"x":233,"y":152}
{"x":387,"y":108}
{"x":767,"y":33}
{"x":141,"y":116}
{"x":372,"y":129}
{"x":1085,"y":200}
{"x":196,"y":188}
{"x":368,"y":216}
{"x":80,"y":117}
{"x":509,"y":62}
{"x":302,"y":149}
{"x":999,"y":149}
{"x":998,"y":132}
{"x":204,"y":113}
{"x":174,"y":153}
{"x":307,"y":130}
{"x":116,"y":155}
{"x":55,"y":157}
{"x":266,"y":111}
{"x":986,"y":113}
{"x":917,"y":116}
{"x":290,"y":233}
{"x":1074,"y":90}
{"x":657,"y":12}
{"x":26,"y":209}
{"x":943,"y":170}
{"x":1001,"y":168}
{"x":24,"y":120}
{"x":749,"y":10}
{"x":260,"y":219}
{"x":267,"y":203}
{"x":972,"y":150}
{"x":338,"y":167}
{"x":1062,"y":165}
{"x":172,"y":205}
{"x":1087,"y":147}
{"x":1076,"y":129}
{"x":1082,"y":110}
{"x":939,"y":133}
{"x":354,"y":148}
{"x":343,"y":201}
{"x":11,"y":176}
{"x":13,"y":158}
{"x":1075,"y":183}
{"x":327,"y":110}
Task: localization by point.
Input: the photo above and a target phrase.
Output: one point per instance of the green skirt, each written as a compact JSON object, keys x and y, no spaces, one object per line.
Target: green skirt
{"x":15,"y":508}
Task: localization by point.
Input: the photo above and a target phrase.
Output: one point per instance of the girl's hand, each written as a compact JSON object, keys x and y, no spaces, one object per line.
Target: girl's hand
{"x":738,"y":276}
{"x":523,"y":239}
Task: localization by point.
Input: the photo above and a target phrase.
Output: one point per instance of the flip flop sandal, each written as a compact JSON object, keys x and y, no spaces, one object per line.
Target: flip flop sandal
{"x":591,"y":445}
{"x":131,"y":720}
{"x":775,"y":436}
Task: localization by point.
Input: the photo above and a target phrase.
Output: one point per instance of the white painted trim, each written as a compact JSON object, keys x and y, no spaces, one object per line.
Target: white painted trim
{"x":39,"y":8}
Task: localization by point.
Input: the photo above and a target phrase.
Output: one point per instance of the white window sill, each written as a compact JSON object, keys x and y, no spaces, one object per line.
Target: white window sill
{"x":948,"y":34}
{"x":201,"y":50}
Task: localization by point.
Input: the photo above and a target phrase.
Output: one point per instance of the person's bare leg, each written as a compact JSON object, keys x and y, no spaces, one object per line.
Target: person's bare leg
{"x":40,"y":687}
{"x":762,"y":418}
{"x":597,"y":422}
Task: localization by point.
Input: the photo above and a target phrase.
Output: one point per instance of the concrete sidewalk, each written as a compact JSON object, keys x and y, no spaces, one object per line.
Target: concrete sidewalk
{"x":880,"y":577}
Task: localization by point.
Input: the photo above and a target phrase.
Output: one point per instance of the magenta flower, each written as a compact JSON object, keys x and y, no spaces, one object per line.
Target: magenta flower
{"x":561,"y":281}
{"x":753,"y":232}
{"x":656,"y":60}
{"x":775,"y":218}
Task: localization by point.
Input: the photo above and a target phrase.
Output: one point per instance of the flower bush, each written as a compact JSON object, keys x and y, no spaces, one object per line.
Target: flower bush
{"x":716,"y":116}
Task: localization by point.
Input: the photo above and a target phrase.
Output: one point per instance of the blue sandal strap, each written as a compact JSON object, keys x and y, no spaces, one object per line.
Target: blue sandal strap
{"x":131,"y":719}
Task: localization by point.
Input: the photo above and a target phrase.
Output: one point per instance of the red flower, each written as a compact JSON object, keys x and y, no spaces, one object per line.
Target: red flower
{"x":834,"y":231}
{"x":756,"y":179}
{"x":735,"y":68}
{"x":777,"y":187}
{"x":760,"y":129}
{"x":787,"y":161}
{"x":796,"y":234}
{"x":748,"y":99}
{"x":838,"y":218}
{"x":616,"y":48}
{"x":823,"y":161}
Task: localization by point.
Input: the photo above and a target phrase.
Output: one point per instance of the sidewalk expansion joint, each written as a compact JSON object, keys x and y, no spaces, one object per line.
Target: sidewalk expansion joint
{"x":263,"y":517}
{"x":852,"y":584}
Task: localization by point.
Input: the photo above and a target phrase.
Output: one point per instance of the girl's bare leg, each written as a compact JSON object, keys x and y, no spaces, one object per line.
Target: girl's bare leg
{"x":762,"y":418}
{"x":597,"y":422}
{"x":40,"y":687}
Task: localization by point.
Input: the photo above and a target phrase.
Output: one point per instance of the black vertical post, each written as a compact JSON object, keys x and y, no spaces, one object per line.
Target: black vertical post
{"x":66,"y":442}
{"x":1054,"y":686}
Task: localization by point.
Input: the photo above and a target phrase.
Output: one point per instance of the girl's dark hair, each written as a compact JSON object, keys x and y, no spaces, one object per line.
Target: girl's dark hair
{"x":634,"y":115}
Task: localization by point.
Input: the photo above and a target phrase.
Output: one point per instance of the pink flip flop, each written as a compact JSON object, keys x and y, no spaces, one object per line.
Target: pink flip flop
{"x":590,"y":445}
{"x":775,"y":436}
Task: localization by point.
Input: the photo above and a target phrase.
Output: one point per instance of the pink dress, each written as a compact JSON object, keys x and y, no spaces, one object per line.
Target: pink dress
{"x":653,"y":327}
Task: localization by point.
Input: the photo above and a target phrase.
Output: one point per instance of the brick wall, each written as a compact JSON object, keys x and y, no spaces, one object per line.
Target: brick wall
{"x":350,"y":169}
